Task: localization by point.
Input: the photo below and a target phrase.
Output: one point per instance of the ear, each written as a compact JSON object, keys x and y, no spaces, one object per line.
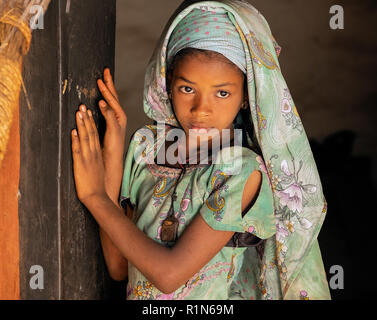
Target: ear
{"x":245,"y":101}
{"x":245,"y":96}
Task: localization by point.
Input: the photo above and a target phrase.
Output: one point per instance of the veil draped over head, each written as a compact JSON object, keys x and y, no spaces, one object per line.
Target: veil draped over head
{"x":291,"y":265}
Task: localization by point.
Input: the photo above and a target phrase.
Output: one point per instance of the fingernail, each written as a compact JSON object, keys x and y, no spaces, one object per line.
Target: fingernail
{"x":75,"y":132}
{"x":89,"y":113}
{"x":83,"y":108}
{"x":80,"y":115}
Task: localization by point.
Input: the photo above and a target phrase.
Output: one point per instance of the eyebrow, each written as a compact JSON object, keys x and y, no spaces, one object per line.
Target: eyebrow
{"x":215,"y":86}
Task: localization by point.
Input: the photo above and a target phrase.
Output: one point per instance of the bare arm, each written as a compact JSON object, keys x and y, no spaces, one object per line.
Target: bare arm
{"x":112,"y":152}
{"x":116,"y":263}
{"x":198,"y":244}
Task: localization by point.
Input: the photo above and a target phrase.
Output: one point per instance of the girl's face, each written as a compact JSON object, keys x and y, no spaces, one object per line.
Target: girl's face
{"x":206,"y":93}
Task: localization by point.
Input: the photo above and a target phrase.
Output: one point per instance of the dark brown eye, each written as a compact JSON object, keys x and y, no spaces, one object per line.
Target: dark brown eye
{"x":186,"y":89}
{"x":223,"y":94}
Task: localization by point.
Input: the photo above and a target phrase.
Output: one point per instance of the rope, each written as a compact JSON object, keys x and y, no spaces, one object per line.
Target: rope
{"x":11,"y":79}
{"x":10,"y":72}
{"x":22,"y":26}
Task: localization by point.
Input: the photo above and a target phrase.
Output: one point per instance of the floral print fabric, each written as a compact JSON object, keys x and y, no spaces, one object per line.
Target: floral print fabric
{"x":215,"y":192}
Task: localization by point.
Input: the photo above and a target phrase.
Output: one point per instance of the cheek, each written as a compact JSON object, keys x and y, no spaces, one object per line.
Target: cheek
{"x":180,"y":110}
{"x":229,"y":108}
{"x":228,"y":112}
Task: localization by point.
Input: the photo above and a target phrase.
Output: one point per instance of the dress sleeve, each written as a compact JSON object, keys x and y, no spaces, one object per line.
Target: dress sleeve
{"x":128,"y":174}
{"x":141,"y":143}
{"x":223,"y":198}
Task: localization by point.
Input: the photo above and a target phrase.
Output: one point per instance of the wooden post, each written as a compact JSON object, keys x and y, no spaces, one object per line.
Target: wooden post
{"x":56,"y":231}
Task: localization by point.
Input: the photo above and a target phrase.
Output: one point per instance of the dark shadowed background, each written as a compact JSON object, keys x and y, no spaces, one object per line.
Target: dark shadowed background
{"x":332,"y":78}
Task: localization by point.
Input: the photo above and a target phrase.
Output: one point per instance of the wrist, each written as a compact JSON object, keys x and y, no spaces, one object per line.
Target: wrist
{"x":113,"y":179}
{"x":94,"y":200}
{"x":113,"y":154}
{"x":113,"y":167}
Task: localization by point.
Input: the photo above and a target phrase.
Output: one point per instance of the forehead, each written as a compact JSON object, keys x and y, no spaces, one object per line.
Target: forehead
{"x":206,"y":63}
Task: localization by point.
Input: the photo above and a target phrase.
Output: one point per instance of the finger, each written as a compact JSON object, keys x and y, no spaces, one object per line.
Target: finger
{"x":110,"y":99}
{"x":108,"y":114}
{"x":83,"y":135}
{"x":89,"y":129}
{"x":93,"y":127}
{"x":76,"y":150}
{"x":110,"y":83}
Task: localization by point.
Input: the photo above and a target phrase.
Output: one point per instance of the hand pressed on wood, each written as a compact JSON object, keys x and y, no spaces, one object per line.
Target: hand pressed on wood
{"x":115,"y":134}
{"x":87,"y":158}
{"x":116,"y":119}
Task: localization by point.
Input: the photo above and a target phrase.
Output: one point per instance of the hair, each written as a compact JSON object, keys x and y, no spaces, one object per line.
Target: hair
{"x":189,"y":52}
{"x":248,"y":134}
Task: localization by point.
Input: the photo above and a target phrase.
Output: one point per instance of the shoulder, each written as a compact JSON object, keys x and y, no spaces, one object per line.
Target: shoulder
{"x":144,"y":133}
{"x":235,"y":160}
{"x":153,"y":130}
{"x":151,"y":135}
{"x":239,"y":169}
{"x":144,"y":143}
{"x":237,"y":197}
{"x":233,"y":168}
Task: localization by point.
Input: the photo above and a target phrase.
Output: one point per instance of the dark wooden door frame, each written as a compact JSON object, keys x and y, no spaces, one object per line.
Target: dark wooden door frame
{"x":60,"y":72}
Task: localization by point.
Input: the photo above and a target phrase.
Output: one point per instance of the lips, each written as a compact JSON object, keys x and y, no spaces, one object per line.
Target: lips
{"x":200,"y":128}
{"x":198,"y":125}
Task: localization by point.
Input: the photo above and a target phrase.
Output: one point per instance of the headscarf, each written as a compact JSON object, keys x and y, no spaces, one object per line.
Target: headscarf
{"x":209,"y":31}
{"x":291,"y":265}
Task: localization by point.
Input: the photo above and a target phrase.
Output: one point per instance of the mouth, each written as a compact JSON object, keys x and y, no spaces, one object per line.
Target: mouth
{"x":200,"y":128}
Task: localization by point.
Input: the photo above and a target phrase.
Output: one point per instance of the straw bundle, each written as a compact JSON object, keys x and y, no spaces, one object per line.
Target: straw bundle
{"x":15,"y":38}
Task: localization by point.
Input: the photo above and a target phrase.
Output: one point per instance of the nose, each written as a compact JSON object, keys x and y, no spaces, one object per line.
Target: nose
{"x":201,"y":107}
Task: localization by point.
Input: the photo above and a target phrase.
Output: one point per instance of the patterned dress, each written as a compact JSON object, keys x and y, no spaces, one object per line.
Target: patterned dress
{"x":292,"y":266}
{"x":215,"y":192}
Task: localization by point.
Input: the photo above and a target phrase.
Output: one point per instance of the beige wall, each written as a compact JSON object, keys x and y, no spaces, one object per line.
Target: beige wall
{"x":330,"y":73}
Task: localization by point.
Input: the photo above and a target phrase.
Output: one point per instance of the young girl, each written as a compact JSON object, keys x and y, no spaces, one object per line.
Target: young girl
{"x":244,"y":223}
